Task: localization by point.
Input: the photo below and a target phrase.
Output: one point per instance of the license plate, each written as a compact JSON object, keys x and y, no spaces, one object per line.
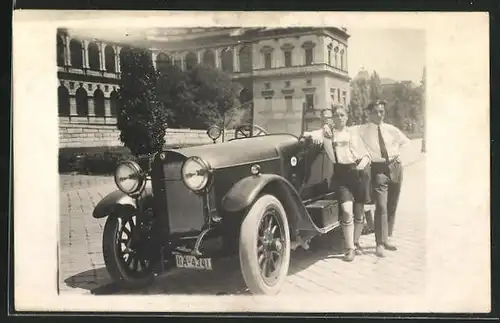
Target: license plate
{"x":187,"y":261}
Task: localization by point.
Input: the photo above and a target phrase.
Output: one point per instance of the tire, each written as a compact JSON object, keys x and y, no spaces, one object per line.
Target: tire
{"x":250,"y":246}
{"x":114,"y":260}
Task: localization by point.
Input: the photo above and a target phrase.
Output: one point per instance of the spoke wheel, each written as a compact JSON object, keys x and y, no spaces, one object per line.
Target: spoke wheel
{"x":265,"y":246}
{"x":270,"y":244}
{"x":126,"y":251}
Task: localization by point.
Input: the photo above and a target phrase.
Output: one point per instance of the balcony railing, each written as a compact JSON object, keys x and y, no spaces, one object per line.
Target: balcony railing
{"x":303,"y":69}
{"x":88,"y":72}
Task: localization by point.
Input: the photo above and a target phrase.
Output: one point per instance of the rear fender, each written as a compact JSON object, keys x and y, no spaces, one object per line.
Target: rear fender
{"x":247,"y":190}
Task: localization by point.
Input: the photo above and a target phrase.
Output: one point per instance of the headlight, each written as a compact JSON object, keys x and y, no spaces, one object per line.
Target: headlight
{"x":196,"y":173}
{"x":129,"y":177}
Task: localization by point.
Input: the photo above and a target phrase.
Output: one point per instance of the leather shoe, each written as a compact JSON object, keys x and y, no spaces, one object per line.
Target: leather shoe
{"x":380,"y":251}
{"x":358,"y":249}
{"x":349,"y":255}
{"x":390,"y":247}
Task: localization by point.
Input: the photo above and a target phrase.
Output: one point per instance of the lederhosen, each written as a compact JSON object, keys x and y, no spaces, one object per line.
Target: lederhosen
{"x":351,"y":183}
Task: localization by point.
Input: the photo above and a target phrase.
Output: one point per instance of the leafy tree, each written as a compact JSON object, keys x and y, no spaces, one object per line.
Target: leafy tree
{"x":172,"y":88}
{"x":142,"y":119}
{"x":198,"y":97}
{"x":375,"y":87}
{"x":360,"y":97}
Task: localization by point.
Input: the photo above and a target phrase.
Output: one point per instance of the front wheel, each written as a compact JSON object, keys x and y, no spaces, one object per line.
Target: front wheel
{"x":265,"y":246}
{"x":125,"y":244}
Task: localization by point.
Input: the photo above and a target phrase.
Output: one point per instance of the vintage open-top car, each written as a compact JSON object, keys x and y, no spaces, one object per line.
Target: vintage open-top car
{"x":256,"y":196}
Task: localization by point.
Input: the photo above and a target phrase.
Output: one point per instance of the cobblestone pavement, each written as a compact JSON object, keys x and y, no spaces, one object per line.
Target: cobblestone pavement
{"x":69,"y":182}
{"x":319,"y":270}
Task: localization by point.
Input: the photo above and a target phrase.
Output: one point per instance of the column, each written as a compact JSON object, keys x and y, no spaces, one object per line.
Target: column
{"x":154,"y":55}
{"x":67,"y":57}
{"x":198,"y":57}
{"x":72,"y":105}
{"x":118,"y":68}
{"x":182,"y":55}
{"x":85,"y":54}
{"x":102,"y":46}
{"x":91,"y":106}
{"x":217,"y":58}
{"x":107,"y":106}
{"x":235,"y":59}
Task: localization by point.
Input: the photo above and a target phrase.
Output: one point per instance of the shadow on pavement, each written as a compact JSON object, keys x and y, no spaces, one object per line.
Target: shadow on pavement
{"x":89,"y":279}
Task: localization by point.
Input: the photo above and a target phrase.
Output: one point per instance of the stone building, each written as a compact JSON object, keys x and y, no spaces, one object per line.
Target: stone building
{"x":282,"y":71}
{"x":89,"y":72}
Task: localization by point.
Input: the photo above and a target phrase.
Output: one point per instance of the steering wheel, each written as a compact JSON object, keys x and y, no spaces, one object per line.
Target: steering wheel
{"x":246,"y":130}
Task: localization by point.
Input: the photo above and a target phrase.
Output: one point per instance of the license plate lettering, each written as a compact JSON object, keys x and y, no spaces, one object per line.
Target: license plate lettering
{"x":188,"y":261}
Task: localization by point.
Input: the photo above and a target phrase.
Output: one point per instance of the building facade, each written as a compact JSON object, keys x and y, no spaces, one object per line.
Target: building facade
{"x":89,"y":73}
{"x":288,"y":75}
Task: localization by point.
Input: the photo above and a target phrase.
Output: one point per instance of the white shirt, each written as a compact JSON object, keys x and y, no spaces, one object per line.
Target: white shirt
{"x":394,"y":139}
{"x":348,"y":145}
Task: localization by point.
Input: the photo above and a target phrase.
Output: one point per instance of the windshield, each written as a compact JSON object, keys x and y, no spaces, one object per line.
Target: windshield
{"x":285,"y":114}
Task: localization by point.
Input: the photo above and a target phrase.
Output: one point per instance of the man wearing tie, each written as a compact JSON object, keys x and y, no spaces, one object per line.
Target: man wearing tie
{"x":383,"y":142}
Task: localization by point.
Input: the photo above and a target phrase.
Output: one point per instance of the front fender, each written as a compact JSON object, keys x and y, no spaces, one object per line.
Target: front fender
{"x":119,"y":199}
{"x":245,"y":191}
{"x":111,"y":201}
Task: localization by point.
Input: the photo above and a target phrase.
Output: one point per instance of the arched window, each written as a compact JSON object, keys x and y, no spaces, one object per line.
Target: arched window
{"x":191,"y":61}
{"x":99,"y":108}
{"x":227,"y":60}
{"x":109,"y":54}
{"x":82,"y":102}
{"x":209,"y":58}
{"x":113,"y":100}
{"x":246,"y":59}
{"x":330,"y":46}
{"x":60,"y":51}
{"x":63,"y":100}
{"x":94,"y":61}
{"x":75,"y":48}
{"x":162,"y":61}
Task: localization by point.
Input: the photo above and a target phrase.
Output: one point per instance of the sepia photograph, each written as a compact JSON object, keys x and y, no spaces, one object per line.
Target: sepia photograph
{"x":240,"y":160}
{"x":192,"y":150}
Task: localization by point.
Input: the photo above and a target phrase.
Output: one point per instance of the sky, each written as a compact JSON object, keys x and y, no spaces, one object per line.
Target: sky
{"x":398,"y":54}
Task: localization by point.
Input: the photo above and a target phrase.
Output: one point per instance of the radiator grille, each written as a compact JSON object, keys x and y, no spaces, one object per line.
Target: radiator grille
{"x":185,"y":208}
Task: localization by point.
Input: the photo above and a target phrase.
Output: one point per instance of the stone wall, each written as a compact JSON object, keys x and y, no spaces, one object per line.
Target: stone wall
{"x":81,"y":135}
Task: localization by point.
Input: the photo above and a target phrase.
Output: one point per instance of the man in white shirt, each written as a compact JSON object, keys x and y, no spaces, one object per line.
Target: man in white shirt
{"x":383,"y":142}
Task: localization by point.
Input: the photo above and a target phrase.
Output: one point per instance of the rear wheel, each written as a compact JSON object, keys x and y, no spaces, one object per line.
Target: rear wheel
{"x":265,"y":246}
{"x":127,"y":251}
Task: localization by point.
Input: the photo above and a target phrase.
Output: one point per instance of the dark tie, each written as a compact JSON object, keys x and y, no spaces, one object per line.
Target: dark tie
{"x":383,"y":149}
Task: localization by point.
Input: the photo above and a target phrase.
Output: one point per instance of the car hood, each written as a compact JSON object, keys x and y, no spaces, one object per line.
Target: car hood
{"x":240,"y":151}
